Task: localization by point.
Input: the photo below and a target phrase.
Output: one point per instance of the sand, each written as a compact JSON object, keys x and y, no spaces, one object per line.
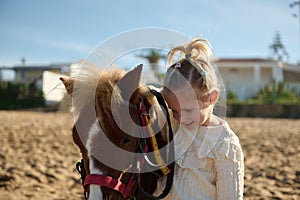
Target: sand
{"x":37,"y":156}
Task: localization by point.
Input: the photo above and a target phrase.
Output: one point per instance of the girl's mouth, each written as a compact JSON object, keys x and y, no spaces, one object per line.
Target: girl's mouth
{"x":189,"y":124}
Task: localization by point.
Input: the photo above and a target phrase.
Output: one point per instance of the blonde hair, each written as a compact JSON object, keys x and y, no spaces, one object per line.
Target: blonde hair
{"x":196,"y":49}
{"x":195,"y":64}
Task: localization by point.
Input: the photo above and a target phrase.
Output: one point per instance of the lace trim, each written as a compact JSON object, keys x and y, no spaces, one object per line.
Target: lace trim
{"x":218,"y":143}
{"x":228,"y":149}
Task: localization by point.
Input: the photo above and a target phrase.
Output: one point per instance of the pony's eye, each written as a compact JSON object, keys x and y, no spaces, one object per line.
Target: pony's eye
{"x":127,"y":140}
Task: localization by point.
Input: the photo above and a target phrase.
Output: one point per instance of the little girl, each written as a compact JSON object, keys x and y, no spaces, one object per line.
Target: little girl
{"x":209,"y":158}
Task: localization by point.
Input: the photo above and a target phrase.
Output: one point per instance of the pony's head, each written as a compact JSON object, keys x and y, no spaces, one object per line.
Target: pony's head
{"x":112,"y":111}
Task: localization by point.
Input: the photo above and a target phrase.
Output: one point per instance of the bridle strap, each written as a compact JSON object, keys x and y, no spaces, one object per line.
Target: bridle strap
{"x":141,"y":194}
{"x":109,"y":182}
{"x":171,"y":166}
{"x":149,"y":132}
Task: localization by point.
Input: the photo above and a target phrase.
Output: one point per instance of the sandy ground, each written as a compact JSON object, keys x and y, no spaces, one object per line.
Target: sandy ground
{"x":37,"y":157}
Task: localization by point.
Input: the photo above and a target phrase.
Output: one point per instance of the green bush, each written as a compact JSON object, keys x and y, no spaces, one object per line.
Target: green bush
{"x":231,"y":97}
{"x":277,"y":93}
{"x":19,"y":95}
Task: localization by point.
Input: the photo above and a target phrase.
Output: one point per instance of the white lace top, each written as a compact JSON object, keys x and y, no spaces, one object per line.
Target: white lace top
{"x":209,"y":165}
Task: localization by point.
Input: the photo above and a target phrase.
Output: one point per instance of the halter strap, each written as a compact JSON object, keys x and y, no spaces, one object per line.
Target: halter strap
{"x":148,"y":131}
{"x":171,"y":166}
{"x":109,"y":182}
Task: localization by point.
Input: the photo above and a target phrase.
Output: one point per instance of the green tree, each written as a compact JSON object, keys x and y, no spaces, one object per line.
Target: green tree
{"x":20,"y":95}
{"x":278,"y":49}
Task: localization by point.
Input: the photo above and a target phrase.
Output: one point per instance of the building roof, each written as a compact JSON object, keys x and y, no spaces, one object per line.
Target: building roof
{"x":250,"y":62}
{"x":53,"y":66}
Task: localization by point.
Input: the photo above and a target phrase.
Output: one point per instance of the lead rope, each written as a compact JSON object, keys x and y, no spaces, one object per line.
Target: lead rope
{"x":171,"y":157}
{"x":141,"y":194}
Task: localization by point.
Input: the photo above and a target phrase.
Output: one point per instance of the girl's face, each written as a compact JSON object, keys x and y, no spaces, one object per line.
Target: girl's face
{"x":187,"y":109}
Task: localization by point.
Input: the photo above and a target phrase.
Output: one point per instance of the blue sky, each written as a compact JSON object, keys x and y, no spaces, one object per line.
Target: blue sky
{"x":47,"y":31}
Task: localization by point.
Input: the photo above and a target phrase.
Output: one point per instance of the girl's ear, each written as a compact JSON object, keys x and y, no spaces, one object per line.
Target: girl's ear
{"x":214,"y":96}
{"x":69,"y":84}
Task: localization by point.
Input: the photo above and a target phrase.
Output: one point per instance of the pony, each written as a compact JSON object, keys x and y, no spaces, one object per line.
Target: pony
{"x":100,"y":99}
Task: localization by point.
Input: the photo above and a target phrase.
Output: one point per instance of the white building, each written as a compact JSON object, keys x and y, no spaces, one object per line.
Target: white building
{"x":53,"y":89}
{"x":45,"y":77}
{"x":245,"y":76}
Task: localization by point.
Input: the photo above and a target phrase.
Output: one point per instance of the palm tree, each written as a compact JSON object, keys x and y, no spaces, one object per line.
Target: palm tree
{"x":153,"y":56}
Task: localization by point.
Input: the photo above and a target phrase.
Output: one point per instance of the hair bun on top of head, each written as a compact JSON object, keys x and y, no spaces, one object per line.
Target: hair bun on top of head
{"x":197,"y":50}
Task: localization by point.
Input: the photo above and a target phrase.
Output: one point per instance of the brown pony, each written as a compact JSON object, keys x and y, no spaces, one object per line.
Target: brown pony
{"x":116,"y":147}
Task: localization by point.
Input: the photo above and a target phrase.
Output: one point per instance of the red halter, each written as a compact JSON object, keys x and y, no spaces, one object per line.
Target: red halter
{"x":112,"y":183}
{"x":109,"y":182}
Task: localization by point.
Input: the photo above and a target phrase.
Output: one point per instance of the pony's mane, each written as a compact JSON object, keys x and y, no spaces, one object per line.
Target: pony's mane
{"x":96,"y":88}
{"x":89,"y":81}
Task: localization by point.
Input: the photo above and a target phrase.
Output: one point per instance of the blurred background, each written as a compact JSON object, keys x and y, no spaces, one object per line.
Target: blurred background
{"x":256,"y":45}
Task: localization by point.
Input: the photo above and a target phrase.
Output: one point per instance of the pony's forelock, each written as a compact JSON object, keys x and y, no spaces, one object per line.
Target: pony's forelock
{"x":88,"y":81}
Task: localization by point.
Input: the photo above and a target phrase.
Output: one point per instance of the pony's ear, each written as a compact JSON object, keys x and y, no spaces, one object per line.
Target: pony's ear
{"x":130,"y":82}
{"x":69,"y":84}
